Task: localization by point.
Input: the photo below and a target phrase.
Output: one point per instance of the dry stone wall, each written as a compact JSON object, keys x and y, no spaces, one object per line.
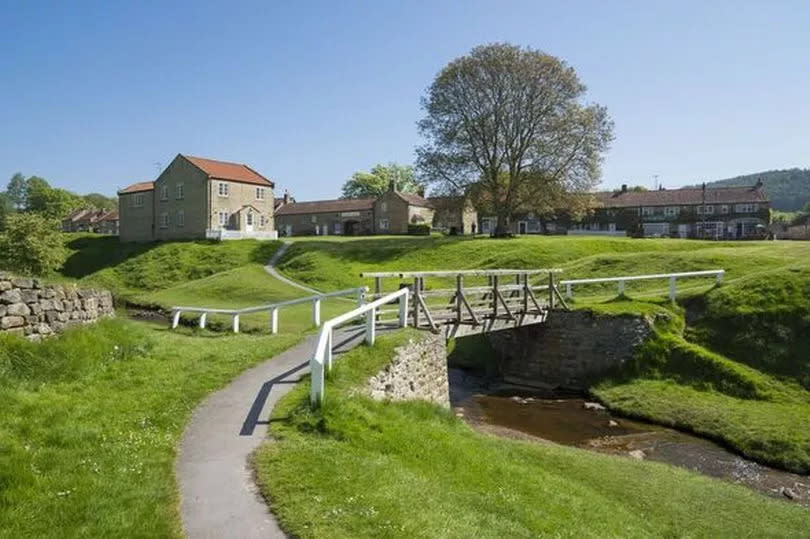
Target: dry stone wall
{"x":569,"y":349}
{"x":418,"y":371}
{"x":30,"y":309}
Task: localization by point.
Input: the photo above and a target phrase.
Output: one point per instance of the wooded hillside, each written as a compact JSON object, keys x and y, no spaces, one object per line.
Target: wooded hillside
{"x":789,"y":190}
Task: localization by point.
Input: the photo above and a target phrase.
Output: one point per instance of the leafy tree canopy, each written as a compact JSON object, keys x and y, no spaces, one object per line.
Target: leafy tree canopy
{"x":17,"y":190}
{"x":101,"y":202}
{"x":51,"y":202}
{"x":509,"y":123}
{"x":31,"y":244}
{"x":374,"y":183}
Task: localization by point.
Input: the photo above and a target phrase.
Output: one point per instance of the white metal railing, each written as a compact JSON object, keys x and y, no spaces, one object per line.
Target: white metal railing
{"x":321,"y":360}
{"x":273,"y":308}
{"x":673,"y":277}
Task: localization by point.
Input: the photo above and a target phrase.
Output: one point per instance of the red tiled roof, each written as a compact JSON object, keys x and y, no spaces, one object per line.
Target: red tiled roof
{"x":681,"y":197}
{"x":137,"y":188}
{"x":111,"y":215}
{"x":415,"y":200}
{"x":326,"y":206}
{"x":223,"y":170}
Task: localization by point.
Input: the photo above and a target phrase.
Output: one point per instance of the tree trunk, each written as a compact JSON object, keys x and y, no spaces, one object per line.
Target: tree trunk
{"x":502,"y":228}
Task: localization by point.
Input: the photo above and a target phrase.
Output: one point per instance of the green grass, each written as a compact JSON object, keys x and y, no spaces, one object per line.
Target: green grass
{"x":132,"y":268}
{"x":678,"y":383}
{"x":91,"y":421}
{"x":360,"y":468}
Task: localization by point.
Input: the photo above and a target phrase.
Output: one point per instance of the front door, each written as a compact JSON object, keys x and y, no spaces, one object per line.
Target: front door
{"x":683,"y":231}
{"x":521,"y":227}
{"x":249,"y":222}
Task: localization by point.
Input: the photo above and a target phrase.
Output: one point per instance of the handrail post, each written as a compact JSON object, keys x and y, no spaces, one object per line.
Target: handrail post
{"x":719,"y":278}
{"x":459,"y":293}
{"x":274,"y":320}
{"x":525,"y":280}
{"x":175,"y":319}
{"x":494,"y":280}
{"x":328,"y":351}
{"x":415,"y":302}
{"x":202,"y":320}
{"x":550,"y":290}
{"x":377,"y":287}
{"x":621,"y":288}
{"x":569,"y":291}
{"x":317,"y":389}
{"x":236,"y":323}
{"x":672,"y":288}
{"x":403,"y":310}
{"x":361,"y":298}
{"x":316,"y":312}
{"x":371,"y":326}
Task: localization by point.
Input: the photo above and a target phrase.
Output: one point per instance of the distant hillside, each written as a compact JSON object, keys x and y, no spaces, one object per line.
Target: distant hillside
{"x":789,"y":190}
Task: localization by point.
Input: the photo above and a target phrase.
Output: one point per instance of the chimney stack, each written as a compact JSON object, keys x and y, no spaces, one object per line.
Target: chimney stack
{"x":624,"y":188}
{"x":286,"y":197}
{"x":392,"y":186}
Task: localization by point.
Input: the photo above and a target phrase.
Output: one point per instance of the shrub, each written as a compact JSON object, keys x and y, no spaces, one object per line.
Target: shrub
{"x":419,"y":230}
{"x":31,"y":244}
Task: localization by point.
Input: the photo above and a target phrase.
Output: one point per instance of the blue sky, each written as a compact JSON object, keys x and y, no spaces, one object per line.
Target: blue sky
{"x":94,"y":94}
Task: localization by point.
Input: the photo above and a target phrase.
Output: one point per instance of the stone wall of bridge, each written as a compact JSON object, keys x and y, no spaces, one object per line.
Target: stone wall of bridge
{"x":33,"y":310}
{"x":568,"y":349}
{"x":417,"y":371}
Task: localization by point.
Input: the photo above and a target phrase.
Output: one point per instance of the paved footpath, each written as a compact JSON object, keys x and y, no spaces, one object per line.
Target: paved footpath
{"x":219,"y":498}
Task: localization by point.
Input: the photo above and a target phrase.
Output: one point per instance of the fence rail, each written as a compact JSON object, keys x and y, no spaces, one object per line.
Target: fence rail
{"x":273,"y":308}
{"x":673,"y":277}
{"x":321,"y":360}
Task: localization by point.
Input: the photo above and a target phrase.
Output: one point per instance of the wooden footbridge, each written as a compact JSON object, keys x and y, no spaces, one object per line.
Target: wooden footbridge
{"x":472,"y":301}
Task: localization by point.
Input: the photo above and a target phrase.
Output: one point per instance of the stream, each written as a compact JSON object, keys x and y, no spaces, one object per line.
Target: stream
{"x":572,"y":420}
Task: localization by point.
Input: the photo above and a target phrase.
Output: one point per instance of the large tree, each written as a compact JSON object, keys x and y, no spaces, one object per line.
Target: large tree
{"x":505,"y":123}
{"x":48,"y":201}
{"x":374,"y":183}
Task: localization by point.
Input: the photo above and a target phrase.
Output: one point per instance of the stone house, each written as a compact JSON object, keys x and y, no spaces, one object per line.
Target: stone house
{"x":91,"y":220}
{"x":198,"y":198}
{"x":391,"y":213}
{"x":349,"y":217}
{"x":454,"y":215}
{"x":711,"y":213}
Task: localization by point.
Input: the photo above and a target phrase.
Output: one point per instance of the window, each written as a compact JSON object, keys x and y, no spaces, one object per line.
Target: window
{"x":709,"y":210}
{"x":672,"y":211}
{"x":180,"y":195}
{"x":261,"y":220}
{"x":383,"y":223}
{"x":181,"y":218}
{"x":164,"y":220}
{"x":224,"y":189}
{"x":137,"y":200}
{"x":746,"y":208}
{"x":383,"y":206}
{"x":646,"y":212}
{"x":260,"y":193}
{"x":723,"y":209}
{"x":164,"y":192}
{"x":250,"y":218}
{"x":314,"y":219}
{"x":224,"y":218}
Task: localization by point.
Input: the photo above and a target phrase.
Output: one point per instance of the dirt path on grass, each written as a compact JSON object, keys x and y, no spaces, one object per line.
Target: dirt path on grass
{"x":219,"y":498}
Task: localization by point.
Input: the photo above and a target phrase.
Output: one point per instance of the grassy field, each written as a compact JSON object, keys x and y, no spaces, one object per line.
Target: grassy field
{"x":91,"y":421}
{"x":360,"y":468}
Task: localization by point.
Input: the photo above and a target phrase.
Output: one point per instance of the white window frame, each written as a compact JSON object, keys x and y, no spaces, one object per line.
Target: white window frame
{"x":181,"y":218}
{"x":164,"y":220}
{"x":724,"y":208}
{"x":313,"y":219}
{"x":647,"y":211}
{"x":223,"y":189}
{"x":224,"y":218}
{"x":672,"y":211}
{"x":709,"y":210}
{"x":164,"y":192}
{"x":384,"y":224}
{"x":138,"y":200}
{"x":249,"y":219}
{"x":260,"y":194}
{"x":179,"y":192}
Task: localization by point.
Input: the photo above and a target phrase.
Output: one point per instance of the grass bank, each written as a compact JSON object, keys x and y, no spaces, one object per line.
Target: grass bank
{"x":91,"y":421}
{"x":360,"y":468}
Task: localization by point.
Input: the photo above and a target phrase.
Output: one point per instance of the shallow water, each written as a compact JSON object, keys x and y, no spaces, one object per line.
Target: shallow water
{"x":568,"y":421}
